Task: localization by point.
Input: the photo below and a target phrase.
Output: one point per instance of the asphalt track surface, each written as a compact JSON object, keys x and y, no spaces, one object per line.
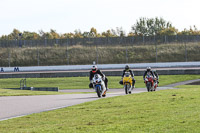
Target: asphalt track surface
{"x":17,"y":106}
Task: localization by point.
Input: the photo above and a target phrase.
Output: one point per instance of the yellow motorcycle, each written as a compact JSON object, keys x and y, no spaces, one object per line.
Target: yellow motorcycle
{"x":127,"y":82}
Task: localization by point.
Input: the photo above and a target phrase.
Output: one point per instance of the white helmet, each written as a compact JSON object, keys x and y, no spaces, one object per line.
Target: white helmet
{"x":94,"y":69}
{"x":148,"y":69}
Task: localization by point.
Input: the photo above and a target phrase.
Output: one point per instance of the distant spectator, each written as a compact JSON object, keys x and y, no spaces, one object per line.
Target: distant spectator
{"x":2,"y":69}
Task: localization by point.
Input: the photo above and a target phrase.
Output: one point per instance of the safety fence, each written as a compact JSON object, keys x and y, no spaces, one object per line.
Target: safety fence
{"x":101,"y":41}
{"x":101,"y":54}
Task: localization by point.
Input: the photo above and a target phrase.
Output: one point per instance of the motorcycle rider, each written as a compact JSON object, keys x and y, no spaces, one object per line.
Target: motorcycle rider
{"x":127,"y":69}
{"x":149,"y":72}
{"x":94,"y":71}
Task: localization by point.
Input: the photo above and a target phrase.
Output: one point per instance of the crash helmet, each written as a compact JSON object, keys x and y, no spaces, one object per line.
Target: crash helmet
{"x":94,"y":69}
{"x":127,"y":67}
{"x":148,"y":69}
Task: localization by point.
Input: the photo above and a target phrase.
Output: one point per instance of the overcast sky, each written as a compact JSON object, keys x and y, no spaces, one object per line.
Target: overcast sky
{"x":68,"y":15}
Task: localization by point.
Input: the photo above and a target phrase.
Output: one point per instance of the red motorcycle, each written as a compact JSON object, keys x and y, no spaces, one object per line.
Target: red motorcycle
{"x":151,"y":83}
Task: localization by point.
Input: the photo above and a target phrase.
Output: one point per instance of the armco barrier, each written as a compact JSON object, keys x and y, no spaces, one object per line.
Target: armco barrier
{"x":37,"y":88}
{"x":86,"y":73}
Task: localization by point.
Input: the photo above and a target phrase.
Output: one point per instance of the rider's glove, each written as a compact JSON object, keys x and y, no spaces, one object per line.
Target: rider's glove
{"x":90,"y":85}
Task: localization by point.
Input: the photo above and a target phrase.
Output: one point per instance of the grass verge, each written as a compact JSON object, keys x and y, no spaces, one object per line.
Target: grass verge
{"x":12,"y":92}
{"x":78,"y":83}
{"x":188,"y":86}
{"x":161,"y":111}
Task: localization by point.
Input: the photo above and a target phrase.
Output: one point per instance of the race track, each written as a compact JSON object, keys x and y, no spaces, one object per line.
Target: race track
{"x":16,"y":106}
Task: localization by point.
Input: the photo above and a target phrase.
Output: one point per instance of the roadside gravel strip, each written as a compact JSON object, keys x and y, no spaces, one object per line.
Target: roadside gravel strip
{"x":17,"y":106}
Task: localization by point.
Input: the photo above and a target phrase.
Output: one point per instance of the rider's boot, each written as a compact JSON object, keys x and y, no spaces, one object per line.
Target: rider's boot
{"x":104,"y":91}
{"x":104,"y":94}
{"x":106,"y":86}
{"x":133,"y":86}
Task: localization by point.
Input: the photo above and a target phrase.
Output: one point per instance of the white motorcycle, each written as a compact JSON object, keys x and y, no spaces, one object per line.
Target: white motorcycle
{"x":99,"y":85}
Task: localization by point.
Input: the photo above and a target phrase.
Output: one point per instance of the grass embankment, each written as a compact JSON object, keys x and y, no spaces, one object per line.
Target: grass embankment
{"x":106,"y":54}
{"x":78,"y":83}
{"x":161,"y":111}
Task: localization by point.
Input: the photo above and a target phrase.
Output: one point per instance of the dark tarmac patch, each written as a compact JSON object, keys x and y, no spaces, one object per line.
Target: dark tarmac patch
{"x":194,"y":83}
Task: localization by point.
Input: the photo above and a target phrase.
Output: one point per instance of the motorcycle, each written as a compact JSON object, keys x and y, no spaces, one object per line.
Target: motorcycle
{"x":151,"y":83}
{"x":99,"y":85}
{"x":127,"y":82}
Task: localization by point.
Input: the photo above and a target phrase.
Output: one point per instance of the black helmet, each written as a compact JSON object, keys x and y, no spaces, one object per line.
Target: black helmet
{"x":127,"y":67}
{"x":94,"y":69}
{"x":148,"y":69}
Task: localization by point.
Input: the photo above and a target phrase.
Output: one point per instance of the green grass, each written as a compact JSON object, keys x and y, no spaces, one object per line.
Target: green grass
{"x":188,"y":86}
{"x":83,"y":82}
{"x":170,"y":79}
{"x":78,"y":83}
{"x":11,"y":92}
{"x":162,"y":111}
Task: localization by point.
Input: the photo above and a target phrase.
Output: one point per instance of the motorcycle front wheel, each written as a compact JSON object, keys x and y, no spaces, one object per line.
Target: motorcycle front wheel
{"x":126,"y":89}
{"x":148,"y":86}
{"x":98,"y":91}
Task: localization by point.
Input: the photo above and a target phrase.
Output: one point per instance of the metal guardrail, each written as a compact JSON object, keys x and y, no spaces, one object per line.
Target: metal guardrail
{"x":103,"y":67}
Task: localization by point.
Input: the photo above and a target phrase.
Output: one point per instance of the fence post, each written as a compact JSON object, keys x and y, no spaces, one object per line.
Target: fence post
{"x":45,"y":42}
{"x":9,"y":58}
{"x":143,"y":39}
{"x":57,"y":41}
{"x":126,"y":54}
{"x":24,"y":43}
{"x":156,"y":49}
{"x":97,"y":54}
{"x":67,"y":52}
{"x":185,"y":52}
{"x":38,"y":57}
{"x":132,"y":39}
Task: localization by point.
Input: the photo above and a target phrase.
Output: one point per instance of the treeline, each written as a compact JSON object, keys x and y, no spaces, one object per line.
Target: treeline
{"x":142,"y":27}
